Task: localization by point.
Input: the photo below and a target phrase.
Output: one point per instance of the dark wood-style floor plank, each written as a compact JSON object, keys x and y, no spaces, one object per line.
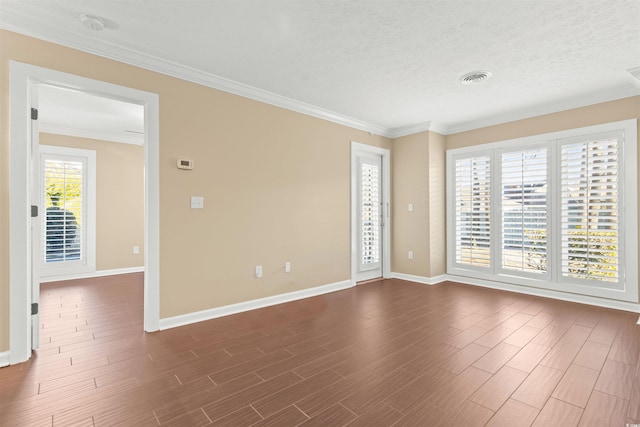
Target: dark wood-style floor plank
{"x":386,"y":353}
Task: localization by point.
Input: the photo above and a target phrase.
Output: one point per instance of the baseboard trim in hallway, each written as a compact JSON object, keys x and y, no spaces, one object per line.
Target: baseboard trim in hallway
{"x":199,"y":316}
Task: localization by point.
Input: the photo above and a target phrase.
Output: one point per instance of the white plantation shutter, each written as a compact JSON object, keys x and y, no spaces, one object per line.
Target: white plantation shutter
{"x":590,"y":209}
{"x":564,"y":206}
{"x":524,"y":210}
{"x":370,"y":209}
{"x":473,"y":211}
{"x":63,"y":194}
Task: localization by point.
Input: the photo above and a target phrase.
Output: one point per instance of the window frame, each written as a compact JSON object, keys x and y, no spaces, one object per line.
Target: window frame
{"x":627,"y":286}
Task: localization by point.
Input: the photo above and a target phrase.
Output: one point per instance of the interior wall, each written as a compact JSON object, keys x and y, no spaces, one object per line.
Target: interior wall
{"x":419,"y":179}
{"x":437,"y":218}
{"x":276,"y":186}
{"x":410,"y":185}
{"x":119,"y":199}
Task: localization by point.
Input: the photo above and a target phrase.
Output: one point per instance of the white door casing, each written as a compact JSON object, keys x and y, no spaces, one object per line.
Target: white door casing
{"x":370,"y":216}
{"x":370,"y":176}
{"x":22,"y":78}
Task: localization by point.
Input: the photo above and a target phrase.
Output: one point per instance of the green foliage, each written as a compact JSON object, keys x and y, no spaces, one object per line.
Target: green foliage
{"x":592,"y":253}
{"x":63,"y":192}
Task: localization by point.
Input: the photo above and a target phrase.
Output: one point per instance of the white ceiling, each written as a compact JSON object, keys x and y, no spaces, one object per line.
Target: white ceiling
{"x":387,"y":66}
{"x":69,"y":112}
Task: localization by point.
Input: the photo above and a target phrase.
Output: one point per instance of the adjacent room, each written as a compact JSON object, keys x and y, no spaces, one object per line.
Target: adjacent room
{"x":331,"y":213}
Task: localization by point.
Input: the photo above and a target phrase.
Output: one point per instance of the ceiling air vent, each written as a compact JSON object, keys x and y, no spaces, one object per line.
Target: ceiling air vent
{"x":475,"y":77}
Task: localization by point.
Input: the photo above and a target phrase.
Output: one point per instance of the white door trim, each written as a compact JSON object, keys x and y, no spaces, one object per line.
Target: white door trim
{"x":22,"y":76}
{"x":357,"y":148}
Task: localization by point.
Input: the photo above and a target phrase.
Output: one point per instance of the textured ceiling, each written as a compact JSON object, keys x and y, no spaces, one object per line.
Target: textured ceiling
{"x":391,"y":64}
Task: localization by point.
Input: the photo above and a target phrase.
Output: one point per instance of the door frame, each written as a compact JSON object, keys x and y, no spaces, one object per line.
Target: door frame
{"x":21,"y":79}
{"x":356,"y":149}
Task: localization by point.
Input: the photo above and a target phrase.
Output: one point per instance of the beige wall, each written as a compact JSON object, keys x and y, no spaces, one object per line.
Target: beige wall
{"x":437,"y":239}
{"x":626,"y":108}
{"x":410,"y":184}
{"x":119,"y":199}
{"x":276,"y":186}
{"x":419,"y":179}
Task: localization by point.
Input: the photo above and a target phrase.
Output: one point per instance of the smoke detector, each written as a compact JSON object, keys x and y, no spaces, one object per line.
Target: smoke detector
{"x":475,"y":77}
{"x":92,"y":22}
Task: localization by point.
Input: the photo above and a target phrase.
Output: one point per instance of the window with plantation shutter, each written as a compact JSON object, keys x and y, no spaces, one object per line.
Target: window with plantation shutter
{"x":67,"y":196}
{"x":557,"y":211}
{"x":524,"y":210}
{"x":62,"y":225}
{"x":590,"y":209}
{"x":473,"y":211}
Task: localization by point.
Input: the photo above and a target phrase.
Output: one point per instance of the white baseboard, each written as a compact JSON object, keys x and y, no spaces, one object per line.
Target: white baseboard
{"x":199,"y":316}
{"x":99,"y":273}
{"x":547,"y":293}
{"x":420,"y":279}
{"x":4,"y":359}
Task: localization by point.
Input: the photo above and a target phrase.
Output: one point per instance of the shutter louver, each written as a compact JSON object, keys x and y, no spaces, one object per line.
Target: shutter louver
{"x":524,"y":210}
{"x":473,"y":211}
{"x":590,"y":241}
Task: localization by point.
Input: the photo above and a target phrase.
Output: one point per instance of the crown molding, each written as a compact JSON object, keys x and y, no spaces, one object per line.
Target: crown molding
{"x":135,"y":139}
{"x":25,"y":25}
{"x":549,"y":108}
{"x":417,"y":128}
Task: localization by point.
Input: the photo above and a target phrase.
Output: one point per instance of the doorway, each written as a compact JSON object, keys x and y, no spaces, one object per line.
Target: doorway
{"x":24,"y":80}
{"x":370,"y":212}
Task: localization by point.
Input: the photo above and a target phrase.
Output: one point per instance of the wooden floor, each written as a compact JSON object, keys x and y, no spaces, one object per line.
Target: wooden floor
{"x":386,"y":353}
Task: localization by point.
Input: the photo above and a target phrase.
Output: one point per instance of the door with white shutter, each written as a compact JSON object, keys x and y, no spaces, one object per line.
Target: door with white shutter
{"x":67,"y":197}
{"x":370,"y":216}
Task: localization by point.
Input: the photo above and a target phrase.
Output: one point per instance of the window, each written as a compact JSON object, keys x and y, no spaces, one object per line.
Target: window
{"x":555,"y":211}
{"x":67,"y":191}
{"x":473,"y":216}
{"x":523,"y":196}
{"x":63,"y":195}
{"x":589,"y":206}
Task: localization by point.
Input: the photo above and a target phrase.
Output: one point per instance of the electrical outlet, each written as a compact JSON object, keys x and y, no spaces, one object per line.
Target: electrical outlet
{"x":136,"y":249}
{"x":258,"y":271}
{"x":410,"y":255}
{"x":287,"y":267}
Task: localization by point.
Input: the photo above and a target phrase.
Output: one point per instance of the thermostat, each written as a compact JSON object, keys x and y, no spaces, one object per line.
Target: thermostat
{"x":185,"y":164}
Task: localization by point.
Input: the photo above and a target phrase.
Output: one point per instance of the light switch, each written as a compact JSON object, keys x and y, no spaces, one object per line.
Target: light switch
{"x":197,"y":202}
{"x":410,"y":207}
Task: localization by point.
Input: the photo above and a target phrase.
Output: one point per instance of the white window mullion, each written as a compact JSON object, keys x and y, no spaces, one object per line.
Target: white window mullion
{"x":553,"y":213}
{"x":496,"y":214}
